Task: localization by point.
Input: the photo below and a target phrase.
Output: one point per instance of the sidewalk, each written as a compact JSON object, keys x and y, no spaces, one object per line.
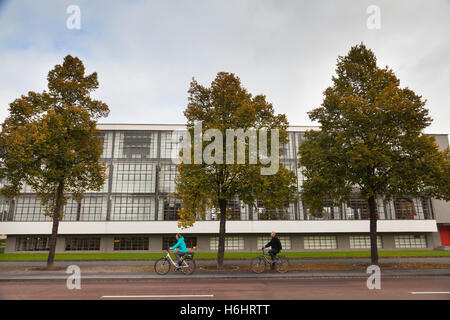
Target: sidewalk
{"x":233,"y":269}
{"x":227,"y":261}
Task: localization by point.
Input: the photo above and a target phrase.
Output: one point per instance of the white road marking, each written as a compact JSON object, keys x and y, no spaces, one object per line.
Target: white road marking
{"x":430,"y":292}
{"x":165,"y":296}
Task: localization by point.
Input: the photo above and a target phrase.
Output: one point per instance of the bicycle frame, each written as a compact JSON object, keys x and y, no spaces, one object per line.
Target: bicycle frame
{"x":263,"y":261}
{"x":173,"y":263}
{"x":267,"y":259}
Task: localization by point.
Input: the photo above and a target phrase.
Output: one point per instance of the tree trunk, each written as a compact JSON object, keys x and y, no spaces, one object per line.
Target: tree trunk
{"x":56,"y":213}
{"x":373,"y":230}
{"x":223,"y":219}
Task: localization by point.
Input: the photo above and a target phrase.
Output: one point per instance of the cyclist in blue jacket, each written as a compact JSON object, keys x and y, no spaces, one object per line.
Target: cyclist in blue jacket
{"x":181,"y":248}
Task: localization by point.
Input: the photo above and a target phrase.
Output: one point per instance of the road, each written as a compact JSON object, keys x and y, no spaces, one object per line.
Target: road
{"x":433,"y":288}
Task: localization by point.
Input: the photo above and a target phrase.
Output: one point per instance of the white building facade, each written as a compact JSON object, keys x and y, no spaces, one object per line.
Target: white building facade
{"x":136,"y":211}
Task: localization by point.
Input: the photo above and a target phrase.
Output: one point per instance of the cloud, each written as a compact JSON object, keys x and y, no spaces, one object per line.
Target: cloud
{"x":146,"y":52}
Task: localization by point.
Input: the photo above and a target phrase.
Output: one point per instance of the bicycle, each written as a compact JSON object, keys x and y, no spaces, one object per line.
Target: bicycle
{"x":258,"y":265}
{"x":162,"y":266}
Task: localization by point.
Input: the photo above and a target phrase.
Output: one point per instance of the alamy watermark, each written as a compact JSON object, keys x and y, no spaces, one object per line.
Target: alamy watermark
{"x":213,"y":152}
{"x":373,"y":22}
{"x":374,"y":280}
{"x":74,"y":20}
{"x":74,"y":280}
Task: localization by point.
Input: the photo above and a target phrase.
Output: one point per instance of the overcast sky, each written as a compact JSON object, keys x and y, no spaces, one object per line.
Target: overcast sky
{"x":146,"y":52}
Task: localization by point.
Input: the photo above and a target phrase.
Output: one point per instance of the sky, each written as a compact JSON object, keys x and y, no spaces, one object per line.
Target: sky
{"x":147,"y":52}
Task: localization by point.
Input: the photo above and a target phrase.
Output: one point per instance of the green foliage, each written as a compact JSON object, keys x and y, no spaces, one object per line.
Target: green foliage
{"x":371,"y":137}
{"x":227,"y":105}
{"x":50,"y":138}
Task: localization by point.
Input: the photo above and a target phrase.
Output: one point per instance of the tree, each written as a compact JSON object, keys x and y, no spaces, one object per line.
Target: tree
{"x":50,"y":142}
{"x":371,"y":138}
{"x":226,"y":105}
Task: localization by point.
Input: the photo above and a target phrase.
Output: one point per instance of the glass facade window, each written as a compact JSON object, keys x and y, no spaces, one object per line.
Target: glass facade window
{"x":299,"y":137}
{"x":236,"y":210}
{"x":131,"y":243}
{"x":404,"y":209}
{"x":136,"y":144}
{"x":105,"y":187}
{"x":363,"y":242}
{"x":330,"y":211}
{"x":167,"y":178}
{"x":411,"y":208}
{"x":171,"y":144}
{"x":231,"y":243}
{"x":4,"y":209}
{"x":107,"y":142}
{"x":134,"y":177}
{"x":427,"y":213}
{"x":286,"y":243}
{"x":233,"y":209}
{"x":320,"y":242}
{"x":410,"y":241}
{"x":28,"y":208}
{"x":72,"y":210}
{"x":82,"y":243}
{"x":33,"y":243}
{"x":287,"y":150}
{"x":356,"y":209}
{"x":90,"y":208}
{"x":168,"y":242}
{"x":140,"y":176}
{"x":170,"y":208}
{"x":132,"y":208}
{"x":286,"y":213}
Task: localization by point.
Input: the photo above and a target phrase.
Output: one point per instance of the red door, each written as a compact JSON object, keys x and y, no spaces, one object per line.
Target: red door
{"x":445,"y":235}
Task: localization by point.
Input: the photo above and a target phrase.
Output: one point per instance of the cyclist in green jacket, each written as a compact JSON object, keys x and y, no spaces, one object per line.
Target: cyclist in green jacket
{"x":181,"y":248}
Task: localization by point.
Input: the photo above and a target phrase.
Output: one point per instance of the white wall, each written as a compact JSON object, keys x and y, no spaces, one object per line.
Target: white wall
{"x":161,"y":227}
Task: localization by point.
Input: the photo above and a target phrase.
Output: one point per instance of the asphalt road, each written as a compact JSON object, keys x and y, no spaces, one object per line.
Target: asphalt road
{"x":434,"y":288}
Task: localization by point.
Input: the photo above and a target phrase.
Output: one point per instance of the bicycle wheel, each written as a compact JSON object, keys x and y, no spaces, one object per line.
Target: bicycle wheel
{"x":190,"y":268}
{"x":162,"y":266}
{"x":258,"y":265}
{"x":282,"y":264}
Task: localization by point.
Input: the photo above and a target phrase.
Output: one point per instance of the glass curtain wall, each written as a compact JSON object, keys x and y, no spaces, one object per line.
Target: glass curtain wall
{"x":140,"y":187}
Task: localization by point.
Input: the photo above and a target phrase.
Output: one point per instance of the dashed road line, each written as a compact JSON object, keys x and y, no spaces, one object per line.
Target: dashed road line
{"x":166,"y":296}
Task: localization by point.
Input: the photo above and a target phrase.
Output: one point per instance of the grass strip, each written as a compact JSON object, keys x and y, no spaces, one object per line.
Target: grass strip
{"x":206,"y":256}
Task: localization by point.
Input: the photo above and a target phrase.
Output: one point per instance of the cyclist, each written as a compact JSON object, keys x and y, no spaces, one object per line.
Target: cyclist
{"x":181,"y":248}
{"x":275,"y":245}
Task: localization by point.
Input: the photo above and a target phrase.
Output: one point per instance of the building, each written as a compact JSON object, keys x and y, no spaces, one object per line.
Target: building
{"x":136,"y":211}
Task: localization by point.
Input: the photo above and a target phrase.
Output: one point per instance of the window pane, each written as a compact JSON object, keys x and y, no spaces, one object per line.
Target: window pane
{"x":320,"y":242}
{"x":82,"y":243}
{"x":32,"y":243}
{"x":231,"y":243}
{"x":363,"y":242}
{"x":131,"y":243}
{"x":410,"y":241}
